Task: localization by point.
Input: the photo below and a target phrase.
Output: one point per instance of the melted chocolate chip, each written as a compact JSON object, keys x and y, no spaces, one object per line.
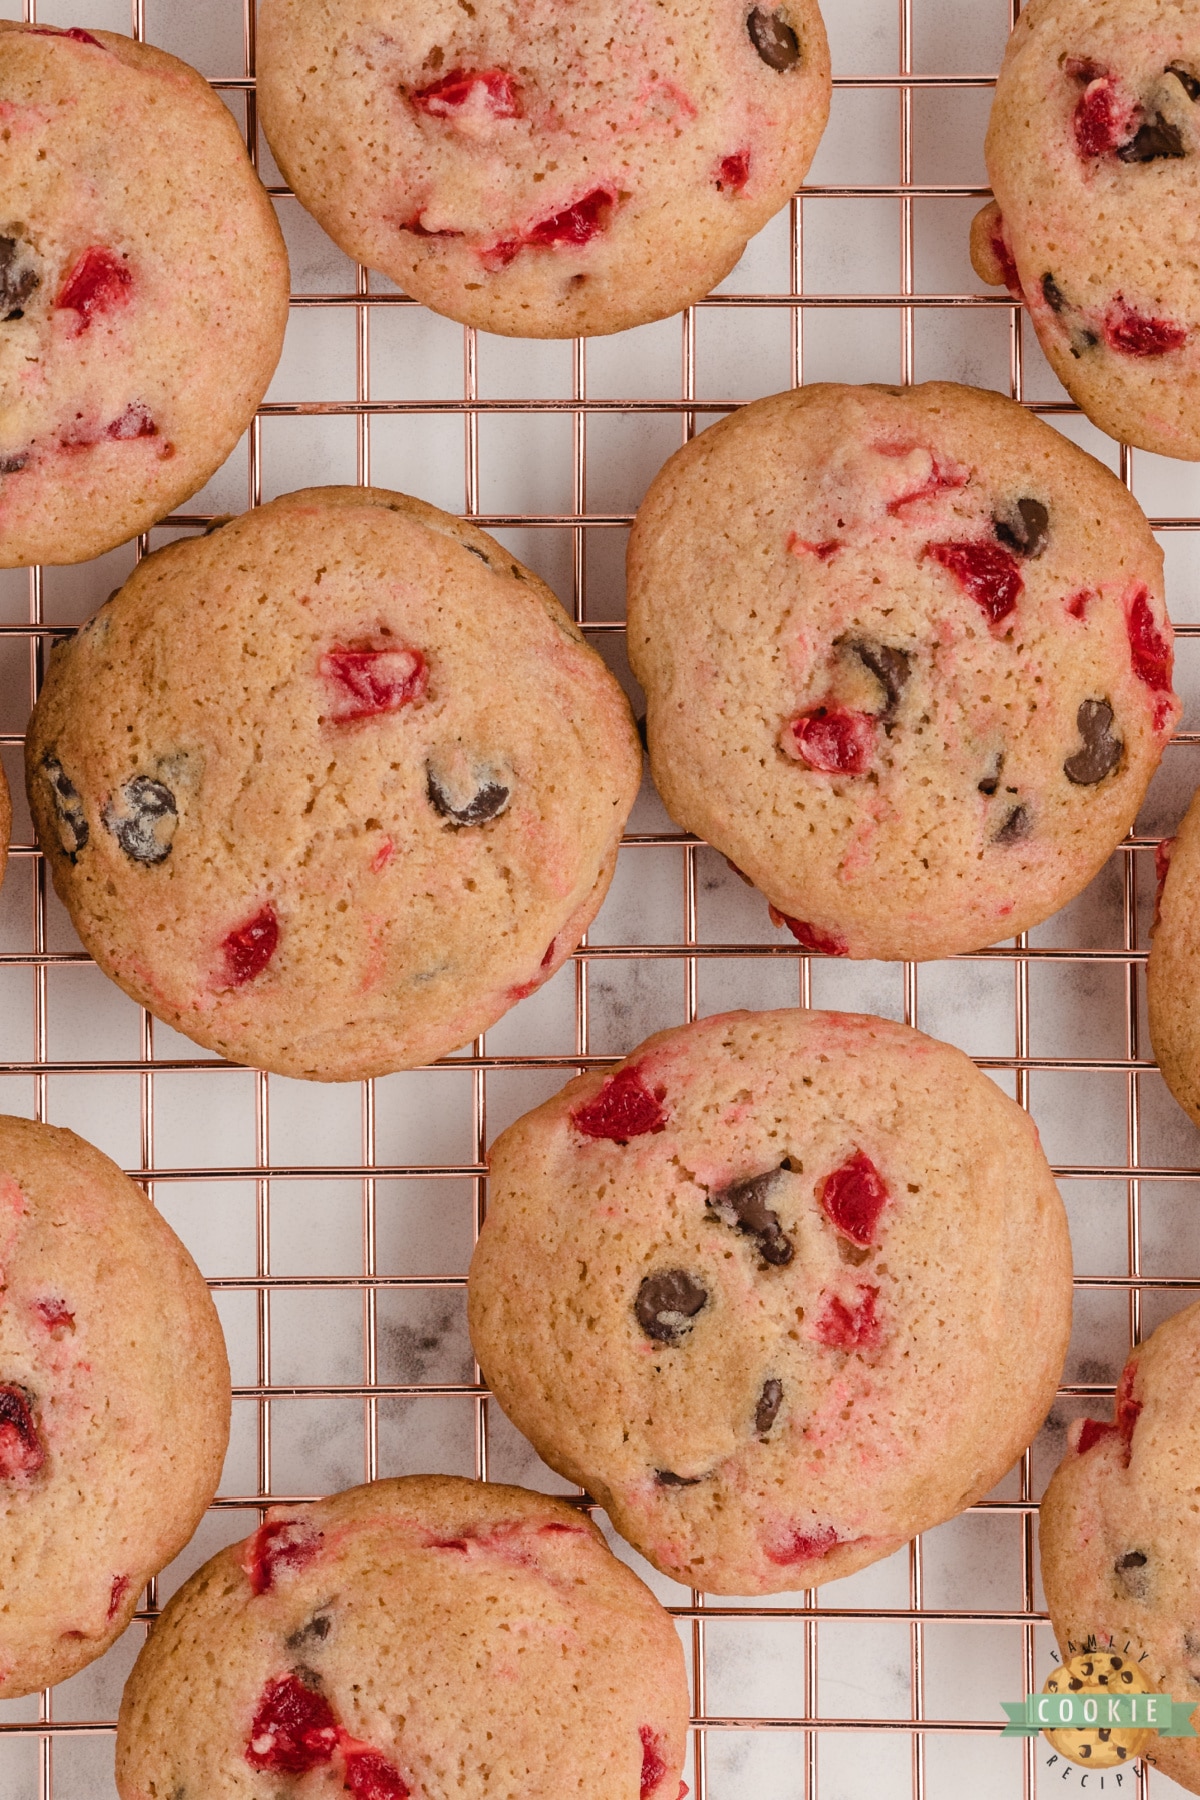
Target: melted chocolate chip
{"x":667,"y":1303}
{"x":991,"y":781}
{"x":1101,"y":751}
{"x":1156,"y":138}
{"x":1016,"y":826}
{"x":1025,"y":529}
{"x":1082,"y":341}
{"x":666,"y":1478}
{"x":145,"y":823}
{"x":774,"y":39}
{"x":489,"y":800}
{"x":18,"y":278}
{"x":313,"y":1631}
{"x":891,"y":668}
{"x":769,"y":1403}
{"x":744,"y":1206}
{"x":1052,"y":294}
{"x":68,"y":808}
{"x":10,"y":465}
{"x":1130,"y":1571}
{"x":1186,"y":80}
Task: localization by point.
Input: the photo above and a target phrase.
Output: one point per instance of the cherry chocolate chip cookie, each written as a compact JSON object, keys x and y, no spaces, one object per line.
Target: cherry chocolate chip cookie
{"x":548,"y":169}
{"x":906,"y":659}
{"x":780,"y":1291}
{"x":1173,"y":971}
{"x":427,"y":1637}
{"x":1093,"y":152}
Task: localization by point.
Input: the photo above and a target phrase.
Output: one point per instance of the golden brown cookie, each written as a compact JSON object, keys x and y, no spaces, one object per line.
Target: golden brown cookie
{"x":1173,"y":970}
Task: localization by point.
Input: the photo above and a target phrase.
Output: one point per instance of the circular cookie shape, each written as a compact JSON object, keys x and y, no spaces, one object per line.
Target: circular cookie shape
{"x":906,"y":659}
{"x":544,"y":170}
{"x":114,"y":1402}
{"x":1120,"y":1556}
{"x":1102,"y":1673}
{"x":1173,"y":971}
{"x":331,"y":788}
{"x":143,"y":289}
{"x":427,"y":1636}
{"x":1093,"y":152}
{"x":780,"y":1291}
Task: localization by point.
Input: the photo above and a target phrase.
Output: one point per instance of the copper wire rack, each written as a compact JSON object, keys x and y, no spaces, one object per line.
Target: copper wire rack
{"x":335,"y":1224}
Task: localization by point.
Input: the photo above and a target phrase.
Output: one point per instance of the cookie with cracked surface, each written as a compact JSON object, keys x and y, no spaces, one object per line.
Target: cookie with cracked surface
{"x":1173,"y":971}
{"x":427,"y":1636}
{"x":1093,"y":151}
{"x":332,"y":788}
{"x":544,"y":170}
{"x":906,"y":658}
{"x":114,"y":1402}
{"x":143,"y":289}
{"x":1120,"y":1559}
{"x":808,"y":1296}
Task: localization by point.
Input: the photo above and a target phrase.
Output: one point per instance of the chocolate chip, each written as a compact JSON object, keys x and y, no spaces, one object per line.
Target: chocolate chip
{"x":1052,"y":294}
{"x":489,"y":800}
{"x":665,"y":1478}
{"x":1016,"y":826}
{"x":991,"y":782}
{"x":18,"y":278}
{"x":767,"y":1410}
{"x":1104,"y":1733}
{"x":9,"y":465}
{"x":313,"y":1631}
{"x":744,"y":1206}
{"x":1101,"y":751}
{"x":891,"y":668}
{"x":1082,"y":341}
{"x":145,"y":822}
{"x":1156,"y":138}
{"x":667,"y":1303}
{"x":1130,"y":1571}
{"x":68,"y":808}
{"x":482,"y":555}
{"x":774,"y":39}
{"x":1186,"y":80}
{"x":1025,"y":529}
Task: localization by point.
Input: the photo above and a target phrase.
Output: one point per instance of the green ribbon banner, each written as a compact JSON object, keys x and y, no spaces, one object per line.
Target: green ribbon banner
{"x":1087,"y":1710}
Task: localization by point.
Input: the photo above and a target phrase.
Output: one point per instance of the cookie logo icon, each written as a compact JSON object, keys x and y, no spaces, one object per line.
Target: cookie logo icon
{"x":1096,"y":1678}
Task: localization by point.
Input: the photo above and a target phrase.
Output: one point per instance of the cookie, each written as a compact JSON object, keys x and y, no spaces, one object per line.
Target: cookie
{"x":5,"y":821}
{"x":331,"y":788}
{"x":1103,"y":1673}
{"x":781,"y":1291}
{"x":114,"y":1402}
{"x":1120,"y":1555}
{"x":143,"y":289}
{"x":906,"y":659}
{"x":544,"y":170}
{"x":1173,"y":970}
{"x":1093,"y":152}
{"x":427,"y":1636}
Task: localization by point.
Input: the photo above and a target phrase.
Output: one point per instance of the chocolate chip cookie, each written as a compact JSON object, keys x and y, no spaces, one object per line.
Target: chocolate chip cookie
{"x":1120,"y":1555}
{"x":1093,"y":152}
{"x":544,"y":170}
{"x":907,"y":661}
{"x":430,"y":1637}
{"x":1173,"y":971}
{"x":331,"y":788}
{"x":143,"y":289}
{"x":780,"y":1291}
{"x":114,"y":1402}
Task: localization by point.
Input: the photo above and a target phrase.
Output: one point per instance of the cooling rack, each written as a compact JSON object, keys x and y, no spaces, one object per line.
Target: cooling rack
{"x":335,"y":1224}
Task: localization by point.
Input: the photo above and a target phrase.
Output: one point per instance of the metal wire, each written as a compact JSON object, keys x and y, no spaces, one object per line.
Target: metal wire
{"x":270,"y":1172}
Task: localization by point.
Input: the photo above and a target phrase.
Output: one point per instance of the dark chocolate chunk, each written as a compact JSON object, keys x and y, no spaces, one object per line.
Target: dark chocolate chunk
{"x":1016,"y":826}
{"x":667,"y":1303}
{"x":489,"y":800}
{"x":666,"y":1478}
{"x":68,"y":808}
{"x":991,"y":781}
{"x":1102,"y":749}
{"x":1130,"y":1571}
{"x":9,"y":465}
{"x":1186,"y":80}
{"x":774,"y":39}
{"x":1156,"y":138}
{"x":744,"y":1206}
{"x":1052,"y":294}
{"x":18,"y":278}
{"x":313,"y":1631}
{"x":1025,"y":529}
{"x":891,"y":668}
{"x":144,"y":824}
{"x":767,"y":1410}
{"x":1082,"y":341}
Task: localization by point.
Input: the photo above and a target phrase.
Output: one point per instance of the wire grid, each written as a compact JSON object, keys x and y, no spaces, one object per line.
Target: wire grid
{"x":821,"y":1750}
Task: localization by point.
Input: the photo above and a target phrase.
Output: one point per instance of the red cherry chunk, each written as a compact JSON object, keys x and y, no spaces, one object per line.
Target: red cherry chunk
{"x":988,"y":574}
{"x":1128,"y":1409}
{"x":1133,"y":334}
{"x":98,"y":282}
{"x":811,"y":937}
{"x":294,"y":1730}
{"x":120,"y":1587}
{"x":653,"y":1764}
{"x":939,"y":480}
{"x":1149,"y":651}
{"x":494,"y":89}
{"x":250,"y":948}
{"x":21,"y":1450}
{"x":370,"y":1776}
{"x":135,"y":422}
{"x":371,"y":682}
{"x":55,"y":1316}
{"x":576,"y":224}
{"x":803,"y":1546}
{"x":1092,"y":1431}
{"x":833,"y":740}
{"x":853,"y":1197}
{"x":1100,"y":119}
{"x":1004,"y":256}
{"x":623,"y":1109}
{"x":73,"y":31}
{"x":279,"y":1544}
{"x":734,"y":171}
{"x":851,"y":1328}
